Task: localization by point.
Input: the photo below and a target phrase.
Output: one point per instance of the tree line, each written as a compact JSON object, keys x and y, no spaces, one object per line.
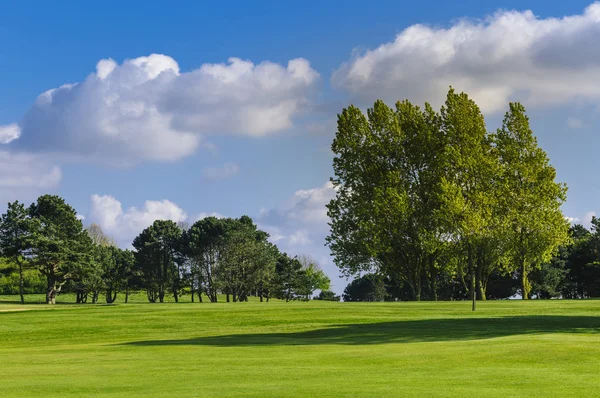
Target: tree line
{"x":572,"y":273}
{"x":45,"y":248}
{"x":437,"y":205}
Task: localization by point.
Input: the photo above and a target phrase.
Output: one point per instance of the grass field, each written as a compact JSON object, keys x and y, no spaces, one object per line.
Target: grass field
{"x":276,"y":349}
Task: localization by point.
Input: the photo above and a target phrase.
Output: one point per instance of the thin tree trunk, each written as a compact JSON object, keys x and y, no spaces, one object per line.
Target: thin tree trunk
{"x":21,"y":282}
{"x":473,"y":277}
{"x":524,"y":281}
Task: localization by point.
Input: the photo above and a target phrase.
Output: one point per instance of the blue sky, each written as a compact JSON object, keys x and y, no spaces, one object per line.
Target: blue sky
{"x":236,"y":113}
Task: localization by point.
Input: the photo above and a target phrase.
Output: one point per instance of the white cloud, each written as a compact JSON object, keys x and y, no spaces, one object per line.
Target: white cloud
{"x":299,"y":238}
{"x":572,"y":220}
{"x":203,"y":215}
{"x":586,"y":220}
{"x":299,"y":226}
{"x":299,"y":221}
{"x":25,"y":176}
{"x":124,"y":226}
{"x":510,"y":55}
{"x":219,"y":173}
{"x":147,"y":109}
{"x":9,"y":133}
{"x":306,"y":206}
{"x":574,"y":123}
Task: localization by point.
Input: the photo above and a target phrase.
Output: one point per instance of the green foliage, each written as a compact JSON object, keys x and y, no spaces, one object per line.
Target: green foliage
{"x":155,"y":258}
{"x":60,"y":247}
{"x":369,"y":287}
{"x":327,"y":295}
{"x":423,"y":196}
{"x":530,"y":195}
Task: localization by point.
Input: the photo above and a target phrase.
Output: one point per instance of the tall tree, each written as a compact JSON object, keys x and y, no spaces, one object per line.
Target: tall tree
{"x":156,"y":255}
{"x":59,"y":244}
{"x":388,"y":185}
{"x":205,"y":246}
{"x":468,"y":197}
{"x":15,"y":233}
{"x":530,"y":192}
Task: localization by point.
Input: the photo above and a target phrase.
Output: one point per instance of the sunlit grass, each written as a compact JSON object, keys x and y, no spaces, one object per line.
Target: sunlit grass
{"x":507,"y":348}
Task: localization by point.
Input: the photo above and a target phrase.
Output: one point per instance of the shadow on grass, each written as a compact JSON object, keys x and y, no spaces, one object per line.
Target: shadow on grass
{"x":401,"y":332}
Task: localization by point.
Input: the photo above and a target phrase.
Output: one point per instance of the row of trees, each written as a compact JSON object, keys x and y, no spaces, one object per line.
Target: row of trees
{"x":426,"y":197}
{"x":229,"y":256}
{"x":46,"y":243}
{"x":573,"y":273}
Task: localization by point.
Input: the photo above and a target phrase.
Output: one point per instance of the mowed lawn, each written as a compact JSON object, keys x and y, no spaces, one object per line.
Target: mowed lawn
{"x":315,"y":349}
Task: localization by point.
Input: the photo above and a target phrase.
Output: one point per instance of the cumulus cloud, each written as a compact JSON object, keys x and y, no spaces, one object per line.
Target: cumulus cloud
{"x":301,"y":220}
{"x":304,"y":207}
{"x":510,"y":55}
{"x":147,"y":109}
{"x":299,"y":238}
{"x":124,"y":226}
{"x":299,"y":226}
{"x":9,"y":133}
{"x":220,"y":173}
{"x":25,"y":176}
{"x":203,"y":215}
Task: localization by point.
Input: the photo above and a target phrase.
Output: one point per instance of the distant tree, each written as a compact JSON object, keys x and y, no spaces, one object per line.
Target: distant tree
{"x":288,"y":272}
{"x":15,"y":235}
{"x":547,"y":281}
{"x":369,"y":287}
{"x":127,"y":266}
{"x":327,"y":295}
{"x":310,"y":278}
{"x":156,"y":255}
{"x":59,"y":244}
{"x":204,"y":245}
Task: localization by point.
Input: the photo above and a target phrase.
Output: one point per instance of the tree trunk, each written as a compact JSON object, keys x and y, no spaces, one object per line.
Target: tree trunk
{"x":482,"y":296}
{"x":473,"y":278}
{"x":51,"y":295}
{"x":21,"y":283}
{"x":227,"y":297}
{"x":433,"y":278}
{"x":525,"y":287}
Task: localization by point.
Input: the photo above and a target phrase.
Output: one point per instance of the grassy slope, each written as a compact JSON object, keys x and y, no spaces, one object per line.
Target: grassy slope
{"x":538,"y":348}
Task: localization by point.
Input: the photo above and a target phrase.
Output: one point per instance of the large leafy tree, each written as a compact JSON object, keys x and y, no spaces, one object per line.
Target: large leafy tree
{"x":15,"y":234}
{"x":531,"y":196}
{"x":59,"y":244}
{"x":204,"y":245}
{"x":156,"y":255}
{"x":387,"y":192}
{"x":468,"y":193}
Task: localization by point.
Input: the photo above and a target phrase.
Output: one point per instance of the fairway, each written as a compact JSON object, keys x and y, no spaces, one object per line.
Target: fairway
{"x":507,"y":348}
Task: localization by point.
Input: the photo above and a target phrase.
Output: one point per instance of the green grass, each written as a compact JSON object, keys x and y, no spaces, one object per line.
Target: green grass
{"x":506,"y":349}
